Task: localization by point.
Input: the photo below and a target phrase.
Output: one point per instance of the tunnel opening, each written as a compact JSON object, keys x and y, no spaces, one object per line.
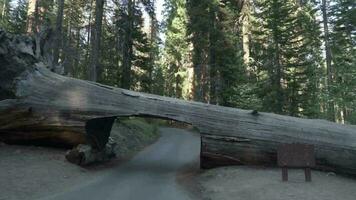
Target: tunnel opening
{"x":96,"y":134}
{"x":122,"y":137}
{"x":98,"y":130}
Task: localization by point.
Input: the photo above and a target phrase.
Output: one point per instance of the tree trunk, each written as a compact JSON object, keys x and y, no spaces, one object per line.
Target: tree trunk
{"x":128,"y":47}
{"x":68,"y":51}
{"x":58,"y":32}
{"x":153,"y":38}
{"x":31,"y":13}
{"x":95,"y":44}
{"x":3,"y":9}
{"x":331,"y":106}
{"x":277,"y":77}
{"x":246,"y":37}
{"x":89,"y":29}
{"x":38,"y":106}
{"x":75,"y":67}
{"x":214,"y":96}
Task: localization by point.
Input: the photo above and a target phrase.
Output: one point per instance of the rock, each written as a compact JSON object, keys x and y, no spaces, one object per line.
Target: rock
{"x":330,"y":174}
{"x":84,"y":154}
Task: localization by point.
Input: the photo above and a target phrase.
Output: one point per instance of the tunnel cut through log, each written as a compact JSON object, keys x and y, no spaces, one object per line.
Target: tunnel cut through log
{"x":98,"y":131}
{"x":104,"y":143}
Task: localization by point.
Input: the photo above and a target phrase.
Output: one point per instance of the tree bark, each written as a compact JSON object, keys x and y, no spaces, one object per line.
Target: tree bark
{"x":3,"y":9}
{"x":153,"y":39}
{"x":72,"y":72}
{"x":214,"y":94}
{"x":58,"y":32}
{"x":276,"y":75}
{"x":128,"y":47}
{"x":89,"y":29}
{"x":31,"y":13}
{"x":245,"y":36}
{"x":96,"y":38}
{"x":37,"y":105}
{"x":329,"y":70}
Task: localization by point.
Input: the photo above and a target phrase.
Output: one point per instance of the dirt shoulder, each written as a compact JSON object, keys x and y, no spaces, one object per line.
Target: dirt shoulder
{"x":31,"y":172}
{"x":265,"y":184}
{"x":28,"y":172}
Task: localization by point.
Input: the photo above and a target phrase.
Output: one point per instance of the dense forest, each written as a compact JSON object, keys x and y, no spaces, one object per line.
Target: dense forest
{"x":292,"y":57}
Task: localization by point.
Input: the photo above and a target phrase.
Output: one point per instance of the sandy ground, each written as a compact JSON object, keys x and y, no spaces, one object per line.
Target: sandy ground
{"x":31,"y":172}
{"x":28,"y":172}
{"x":260,"y":183}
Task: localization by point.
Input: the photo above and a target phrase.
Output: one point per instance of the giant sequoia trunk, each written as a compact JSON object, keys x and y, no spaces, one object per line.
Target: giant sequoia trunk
{"x":39,"y":106}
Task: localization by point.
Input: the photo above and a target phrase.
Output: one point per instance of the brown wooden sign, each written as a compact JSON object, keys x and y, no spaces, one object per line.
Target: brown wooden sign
{"x":296,"y":156}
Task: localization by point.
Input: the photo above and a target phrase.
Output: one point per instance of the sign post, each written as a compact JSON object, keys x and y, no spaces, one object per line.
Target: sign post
{"x":296,"y":156}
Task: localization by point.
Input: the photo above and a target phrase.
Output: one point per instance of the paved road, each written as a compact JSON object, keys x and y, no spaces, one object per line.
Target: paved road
{"x":151,"y":175}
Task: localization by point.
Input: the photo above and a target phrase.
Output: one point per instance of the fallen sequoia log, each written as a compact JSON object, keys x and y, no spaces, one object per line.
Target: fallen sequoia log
{"x":38,"y":106}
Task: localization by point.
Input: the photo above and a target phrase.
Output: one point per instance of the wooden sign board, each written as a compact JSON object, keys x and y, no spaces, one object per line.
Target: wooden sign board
{"x":296,"y":156}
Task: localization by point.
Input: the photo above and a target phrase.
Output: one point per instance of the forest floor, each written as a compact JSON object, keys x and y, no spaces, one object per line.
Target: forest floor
{"x":247,"y":183}
{"x":29,"y":172}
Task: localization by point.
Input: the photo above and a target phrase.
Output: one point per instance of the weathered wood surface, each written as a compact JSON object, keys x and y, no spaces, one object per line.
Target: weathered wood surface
{"x":38,"y":105}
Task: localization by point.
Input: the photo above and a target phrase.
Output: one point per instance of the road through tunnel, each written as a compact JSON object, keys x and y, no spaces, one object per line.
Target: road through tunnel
{"x":115,"y":136}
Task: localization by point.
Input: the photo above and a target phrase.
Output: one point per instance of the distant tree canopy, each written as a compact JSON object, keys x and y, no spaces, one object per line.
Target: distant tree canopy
{"x":284,"y":56}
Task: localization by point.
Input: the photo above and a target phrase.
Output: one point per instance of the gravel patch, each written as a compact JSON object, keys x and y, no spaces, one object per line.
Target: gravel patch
{"x":248,"y":183}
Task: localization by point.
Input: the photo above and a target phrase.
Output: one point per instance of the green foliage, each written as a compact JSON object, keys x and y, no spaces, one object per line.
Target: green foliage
{"x":13,"y":18}
{"x":286,"y":52}
{"x":148,"y":130}
{"x":245,"y":96}
{"x":74,"y":42}
{"x":217,"y":54}
{"x":175,"y":60}
{"x":5,"y":8}
{"x":132,"y":135}
{"x":343,"y":40}
{"x":18,"y":17}
{"x":143,"y":58}
{"x":226,"y":53}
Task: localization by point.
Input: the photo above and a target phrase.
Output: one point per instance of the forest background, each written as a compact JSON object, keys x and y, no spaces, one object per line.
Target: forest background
{"x":291,"y":57}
